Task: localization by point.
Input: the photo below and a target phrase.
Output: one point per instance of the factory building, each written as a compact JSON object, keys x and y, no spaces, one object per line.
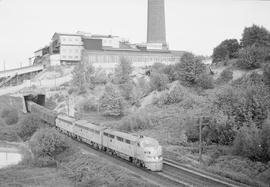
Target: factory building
{"x":107,"y":50}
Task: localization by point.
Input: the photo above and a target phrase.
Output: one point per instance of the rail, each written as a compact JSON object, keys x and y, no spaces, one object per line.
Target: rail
{"x":193,"y":177}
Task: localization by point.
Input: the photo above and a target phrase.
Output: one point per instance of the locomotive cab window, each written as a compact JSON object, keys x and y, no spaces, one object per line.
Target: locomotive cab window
{"x":120,"y":139}
{"x":127,"y":141}
{"x":105,"y":134}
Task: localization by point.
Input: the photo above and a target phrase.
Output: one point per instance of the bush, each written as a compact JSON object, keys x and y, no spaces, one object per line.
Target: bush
{"x":176,"y":95}
{"x":225,"y":50}
{"x":47,"y":143}
{"x":244,"y":104}
{"x":189,"y":69}
{"x":28,"y":126}
{"x":158,"y":81}
{"x":251,"y":57}
{"x":248,"y":142}
{"x":89,"y":105}
{"x":100,"y":77}
{"x":111,"y":102}
{"x":135,"y":122}
{"x":205,"y":81}
{"x":10,"y":116}
{"x":169,"y":70}
{"x":225,"y":76}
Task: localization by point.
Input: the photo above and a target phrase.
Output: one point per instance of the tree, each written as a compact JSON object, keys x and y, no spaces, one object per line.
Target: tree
{"x":227,"y":49}
{"x":123,"y":71}
{"x":111,"y":102}
{"x":189,"y":69}
{"x":255,"y":35}
{"x":29,"y":125}
{"x":83,"y":74}
{"x":158,"y":81}
{"x":252,"y":57}
{"x":46,"y":144}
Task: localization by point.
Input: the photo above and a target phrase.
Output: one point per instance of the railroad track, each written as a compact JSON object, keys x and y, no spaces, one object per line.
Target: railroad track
{"x":185,"y":176}
{"x":173,"y":173}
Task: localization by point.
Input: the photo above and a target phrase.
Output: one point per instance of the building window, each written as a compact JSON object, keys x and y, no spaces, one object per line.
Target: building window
{"x":70,"y":57}
{"x":64,"y":56}
{"x":76,"y":57}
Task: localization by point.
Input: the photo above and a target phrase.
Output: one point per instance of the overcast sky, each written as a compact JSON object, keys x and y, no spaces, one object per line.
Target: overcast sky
{"x":192,"y":25}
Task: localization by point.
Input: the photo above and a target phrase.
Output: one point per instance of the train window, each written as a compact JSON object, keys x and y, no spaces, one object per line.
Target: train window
{"x":138,"y":144}
{"x":120,"y":139}
{"x":111,"y":136}
{"x":127,"y":141}
{"x":105,"y":134}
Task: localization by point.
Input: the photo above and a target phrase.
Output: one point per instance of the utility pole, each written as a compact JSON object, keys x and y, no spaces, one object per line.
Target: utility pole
{"x":200,"y":136}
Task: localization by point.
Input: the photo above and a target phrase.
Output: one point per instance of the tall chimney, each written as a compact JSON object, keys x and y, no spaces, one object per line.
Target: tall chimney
{"x":156,"y":31}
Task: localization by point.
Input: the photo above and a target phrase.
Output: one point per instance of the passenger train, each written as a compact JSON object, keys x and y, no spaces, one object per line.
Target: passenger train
{"x":142,"y":151}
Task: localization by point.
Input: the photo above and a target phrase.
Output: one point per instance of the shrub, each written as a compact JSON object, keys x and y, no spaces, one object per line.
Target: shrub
{"x":158,"y":81}
{"x":89,"y":105}
{"x":225,"y":50}
{"x":244,"y":104}
{"x":100,"y":77}
{"x":169,"y":70}
{"x":135,"y":122}
{"x":251,"y":57}
{"x":28,"y":126}
{"x":225,"y":76}
{"x":248,"y":142}
{"x":176,"y":95}
{"x":10,"y":116}
{"x":189,"y":69}
{"x":111,"y":102}
{"x":205,"y":81}
{"x":47,"y":143}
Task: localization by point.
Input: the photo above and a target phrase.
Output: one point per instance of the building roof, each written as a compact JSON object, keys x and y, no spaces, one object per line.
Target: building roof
{"x":41,"y":48}
{"x":103,"y":36}
{"x":65,"y":34}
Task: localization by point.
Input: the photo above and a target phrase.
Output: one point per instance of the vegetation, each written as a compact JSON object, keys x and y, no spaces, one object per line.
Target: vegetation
{"x":226,"y":50}
{"x":158,"y":81}
{"x":255,"y":35}
{"x":189,"y":69}
{"x":111,"y":102}
{"x":135,"y":122}
{"x":10,"y":116}
{"x":173,"y":96}
{"x":47,"y":143}
{"x":251,"y":57}
{"x":29,"y":125}
{"x":225,"y":76}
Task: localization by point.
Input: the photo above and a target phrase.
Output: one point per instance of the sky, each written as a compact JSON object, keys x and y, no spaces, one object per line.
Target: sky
{"x":191,"y":25}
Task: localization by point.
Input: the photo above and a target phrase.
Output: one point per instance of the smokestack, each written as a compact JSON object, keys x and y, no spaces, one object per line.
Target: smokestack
{"x":156,"y":31}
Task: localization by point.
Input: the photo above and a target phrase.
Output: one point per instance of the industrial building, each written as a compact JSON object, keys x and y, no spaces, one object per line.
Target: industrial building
{"x":107,"y":50}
